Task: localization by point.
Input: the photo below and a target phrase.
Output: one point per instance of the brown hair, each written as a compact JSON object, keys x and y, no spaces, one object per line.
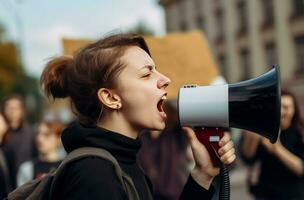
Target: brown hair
{"x":92,"y":67}
{"x":296,"y":119}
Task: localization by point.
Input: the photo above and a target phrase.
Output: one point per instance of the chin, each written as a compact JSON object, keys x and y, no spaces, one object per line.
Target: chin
{"x":161,"y":127}
{"x":158,"y":127}
{"x":42,"y":152}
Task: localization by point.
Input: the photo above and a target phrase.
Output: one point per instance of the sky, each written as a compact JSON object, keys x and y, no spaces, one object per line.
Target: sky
{"x":39,"y":25}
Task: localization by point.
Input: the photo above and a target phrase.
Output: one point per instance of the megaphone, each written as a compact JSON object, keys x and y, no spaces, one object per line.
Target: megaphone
{"x":253,"y":105}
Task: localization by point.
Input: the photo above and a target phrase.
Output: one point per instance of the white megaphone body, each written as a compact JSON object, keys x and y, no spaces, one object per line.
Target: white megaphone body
{"x":252,"y":105}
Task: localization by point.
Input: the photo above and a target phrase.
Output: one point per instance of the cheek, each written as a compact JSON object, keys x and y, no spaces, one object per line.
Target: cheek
{"x":138,"y":101}
{"x":48,"y":143}
{"x":8,"y":114}
{"x":14,"y":113}
{"x":138,"y":94}
{"x":40,"y":142}
{"x":138,"y":104}
{"x":290,"y":114}
{"x":53,"y":143}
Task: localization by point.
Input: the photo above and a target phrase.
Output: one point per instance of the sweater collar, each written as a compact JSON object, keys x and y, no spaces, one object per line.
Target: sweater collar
{"x":123,"y":148}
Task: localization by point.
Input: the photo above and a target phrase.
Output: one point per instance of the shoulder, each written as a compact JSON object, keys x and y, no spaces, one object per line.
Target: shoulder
{"x":25,"y":172}
{"x":92,"y":165}
{"x":91,"y":175}
{"x":26,"y":166}
{"x":26,"y":169}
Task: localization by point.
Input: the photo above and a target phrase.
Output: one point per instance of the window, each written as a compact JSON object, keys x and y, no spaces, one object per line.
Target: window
{"x":220,"y":24}
{"x":245,"y":64}
{"x":271,"y":55}
{"x":199,"y":14}
{"x":268,"y":12}
{"x":242,"y":14}
{"x":183,"y":26}
{"x":200,"y":23}
{"x":183,"y":23}
{"x":222,"y":65}
{"x":299,"y":42}
{"x":298,"y":7}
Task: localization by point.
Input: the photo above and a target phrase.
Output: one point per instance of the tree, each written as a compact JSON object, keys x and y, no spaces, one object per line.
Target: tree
{"x":13,"y":78}
{"x":142,"y":29}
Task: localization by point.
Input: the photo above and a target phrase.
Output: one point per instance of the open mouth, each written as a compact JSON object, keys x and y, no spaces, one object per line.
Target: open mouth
{"x":160,"y":106}
{"x":160,"y":103}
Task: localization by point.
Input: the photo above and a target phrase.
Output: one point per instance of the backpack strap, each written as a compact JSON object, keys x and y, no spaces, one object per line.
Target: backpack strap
{"x":146,"y":184}
{"x":83,"y":152}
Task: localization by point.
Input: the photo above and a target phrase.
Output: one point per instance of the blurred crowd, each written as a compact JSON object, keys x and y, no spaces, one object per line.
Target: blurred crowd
{"x":274,"y":171}
{"x":26,"y":152}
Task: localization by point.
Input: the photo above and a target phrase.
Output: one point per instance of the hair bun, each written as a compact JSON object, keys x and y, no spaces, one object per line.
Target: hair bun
{"x":54,"y":77}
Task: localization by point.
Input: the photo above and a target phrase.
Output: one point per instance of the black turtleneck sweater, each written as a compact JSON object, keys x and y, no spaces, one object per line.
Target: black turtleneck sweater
{"x":95,"y":178}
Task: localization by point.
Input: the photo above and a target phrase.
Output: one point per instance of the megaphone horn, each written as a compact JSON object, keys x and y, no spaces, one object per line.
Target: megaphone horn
{"x":253,"y":105}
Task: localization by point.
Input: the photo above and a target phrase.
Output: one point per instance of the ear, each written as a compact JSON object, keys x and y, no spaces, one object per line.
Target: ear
{"x":108,"y":98}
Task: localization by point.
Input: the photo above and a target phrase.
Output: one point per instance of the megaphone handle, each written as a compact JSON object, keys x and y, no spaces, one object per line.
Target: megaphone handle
{"x":210,"y":137}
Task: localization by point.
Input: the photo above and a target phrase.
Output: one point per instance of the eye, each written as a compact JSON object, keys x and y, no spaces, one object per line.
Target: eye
{"x":146,"y":75}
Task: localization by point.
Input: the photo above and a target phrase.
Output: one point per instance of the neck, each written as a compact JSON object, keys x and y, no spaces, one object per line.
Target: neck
{"x":50,"y":157}
{"x":15,"y":124}
{"x":115,"y":122}
{"x":285,"y":126}
{"x":155,"y":134}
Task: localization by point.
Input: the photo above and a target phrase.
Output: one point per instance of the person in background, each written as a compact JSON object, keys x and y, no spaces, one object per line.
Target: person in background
{"x":48,"y":143}
{"x":20,"y":137}
{"x":281,"y":164}
{"x":165,"y":158}
{"x":7,"y":165}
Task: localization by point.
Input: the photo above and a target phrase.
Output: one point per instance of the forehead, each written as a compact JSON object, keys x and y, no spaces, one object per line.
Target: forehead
{"x":43,"y":128}
{"x":13,"y":102}
{"x":135,"y":58}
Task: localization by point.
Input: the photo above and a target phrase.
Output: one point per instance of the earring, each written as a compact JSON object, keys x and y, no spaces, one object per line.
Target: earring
{"x":118,"y":106}
{"x":100,"y":113}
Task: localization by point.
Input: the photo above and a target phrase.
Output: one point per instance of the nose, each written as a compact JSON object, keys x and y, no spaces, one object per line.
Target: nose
{"x":163,"y":81}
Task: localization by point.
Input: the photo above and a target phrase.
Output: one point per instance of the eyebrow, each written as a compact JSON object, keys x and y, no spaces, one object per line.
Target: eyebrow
{"x":150,"y":67}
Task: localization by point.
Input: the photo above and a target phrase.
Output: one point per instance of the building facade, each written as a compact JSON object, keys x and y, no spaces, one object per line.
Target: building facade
{"x":247,"y":37}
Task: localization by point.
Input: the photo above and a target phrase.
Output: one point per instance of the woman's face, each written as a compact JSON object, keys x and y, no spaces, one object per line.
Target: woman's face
{"x":142,"y":91}
{"x":46,"y":140}
{"x":287,"y":111}
{"x":13,"y":110}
